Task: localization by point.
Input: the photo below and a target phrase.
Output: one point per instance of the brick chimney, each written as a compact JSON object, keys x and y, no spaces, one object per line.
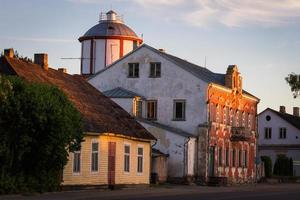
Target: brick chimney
{"x":9,"y":52}
{"x":296,"y":111}
{"x":64,"y":70}
{"x":282,"y":109}
{"x":41,"y":59}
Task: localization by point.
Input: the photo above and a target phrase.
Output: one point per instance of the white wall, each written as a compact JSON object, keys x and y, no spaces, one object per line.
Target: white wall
{"x":127,"y":46}
{"x":273,"y":145}
{"x":175,"y":83}
{"x":276,"y":122}
{"x":172,"y":144}
{"x":86,"y":55}
{"x":112,"y":51}
{"x":99,"y":55}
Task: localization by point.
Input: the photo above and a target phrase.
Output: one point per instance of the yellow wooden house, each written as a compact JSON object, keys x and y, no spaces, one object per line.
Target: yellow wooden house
{"x":116,"y":148}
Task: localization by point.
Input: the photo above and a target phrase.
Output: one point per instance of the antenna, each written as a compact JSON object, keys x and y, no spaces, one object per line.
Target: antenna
{"x":205,"y":62}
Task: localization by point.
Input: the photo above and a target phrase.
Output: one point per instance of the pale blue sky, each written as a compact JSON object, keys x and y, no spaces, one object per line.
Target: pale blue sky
{"x":261,"y":36}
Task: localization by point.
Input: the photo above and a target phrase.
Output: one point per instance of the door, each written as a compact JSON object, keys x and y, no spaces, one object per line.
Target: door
{"x":211,"y":161}
{"x":111,"y":162}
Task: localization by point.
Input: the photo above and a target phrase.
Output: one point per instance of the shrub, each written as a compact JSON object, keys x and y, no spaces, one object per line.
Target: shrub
{"x":268,"y":165}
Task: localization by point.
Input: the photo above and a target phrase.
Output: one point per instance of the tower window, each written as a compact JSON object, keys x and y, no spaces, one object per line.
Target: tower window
{"x":133,"y":70}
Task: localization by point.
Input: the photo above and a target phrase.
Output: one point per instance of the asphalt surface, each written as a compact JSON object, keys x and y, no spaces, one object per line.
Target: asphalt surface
{"x":258,"y":192}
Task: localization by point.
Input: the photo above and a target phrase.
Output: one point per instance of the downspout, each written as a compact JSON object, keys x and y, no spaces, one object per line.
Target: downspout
{"x":150,"y":163}
{"x":208,"y":132}
{"x":185,"y":156}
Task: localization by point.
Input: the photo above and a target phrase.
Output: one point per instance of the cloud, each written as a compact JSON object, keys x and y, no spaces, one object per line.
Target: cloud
{"x":50,"y":40}
{"x":229,"y":13}
{"x":237,"y":13}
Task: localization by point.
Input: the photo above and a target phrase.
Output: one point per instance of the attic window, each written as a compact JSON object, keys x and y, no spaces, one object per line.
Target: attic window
{"x":268,"y":117}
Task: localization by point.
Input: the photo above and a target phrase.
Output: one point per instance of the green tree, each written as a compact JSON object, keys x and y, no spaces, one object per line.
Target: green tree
{"x":268,"y":165}
{"x":39,"y":126}
{"x":294,"y":82}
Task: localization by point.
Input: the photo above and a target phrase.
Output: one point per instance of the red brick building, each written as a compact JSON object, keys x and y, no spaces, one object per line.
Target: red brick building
{"x":231,"y":132}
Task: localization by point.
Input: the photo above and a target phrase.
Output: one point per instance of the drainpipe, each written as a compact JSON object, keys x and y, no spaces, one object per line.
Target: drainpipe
{"x":150,"y":167}
{"x":208,"y":133}
{"x":185,"y":156}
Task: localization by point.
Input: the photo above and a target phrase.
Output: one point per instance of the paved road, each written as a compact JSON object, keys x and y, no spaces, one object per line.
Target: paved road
{"x":259,"y":192}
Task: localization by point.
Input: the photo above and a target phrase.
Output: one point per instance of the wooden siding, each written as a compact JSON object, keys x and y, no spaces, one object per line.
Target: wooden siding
{"x":87,"y":177}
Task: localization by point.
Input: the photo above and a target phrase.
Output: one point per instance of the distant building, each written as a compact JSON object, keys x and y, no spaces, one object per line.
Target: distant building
{"x":116,"y":148}
{"x":106,"y":42}
{"x":203,"y":120}
{"x":279,"y":134}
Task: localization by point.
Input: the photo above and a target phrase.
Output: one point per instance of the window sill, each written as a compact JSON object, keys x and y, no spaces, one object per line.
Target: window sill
{"x":140,"y":174}
{"x":150,"y":119}
{"x":154,"y":77}
{"x":178,"y":120}
{"x":76,"y":173}
{"x":133,"y":77}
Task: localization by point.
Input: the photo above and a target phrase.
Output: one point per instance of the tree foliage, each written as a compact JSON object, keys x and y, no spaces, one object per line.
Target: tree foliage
{"x":283,"y":166}
{"x":294,"y":82}
{"x":268,"y":165}
{"x":38,"y":127}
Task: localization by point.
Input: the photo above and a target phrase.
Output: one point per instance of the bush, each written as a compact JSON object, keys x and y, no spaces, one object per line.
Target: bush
{"x":38,"y":128}
{"x":283,"y":166}
{"x":268,"y":165}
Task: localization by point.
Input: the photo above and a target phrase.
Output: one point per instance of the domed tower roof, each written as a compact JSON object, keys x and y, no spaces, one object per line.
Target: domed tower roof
{"x":110,"y":25}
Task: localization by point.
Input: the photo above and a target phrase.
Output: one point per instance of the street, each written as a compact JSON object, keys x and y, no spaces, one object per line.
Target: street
{"x":175,"y":192}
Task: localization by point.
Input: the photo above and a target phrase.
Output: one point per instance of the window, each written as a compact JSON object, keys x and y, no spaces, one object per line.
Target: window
{"x":127,"y":158}
{"x":227,"y":157}
{"x":240,"y":158}
{"x":282,"y":133}
{"x":133,"y":71}
{"x":152,"y":109}
{"x":179,"y":110}
{"x":95,"y":149}
{"x":140,"y":160}
{"x":76,"y":162}
{"x":268,"y":133}
{"x":138,"y":107}
{"x":268,"y":117}
{"x":220,"y":156}
{"x":245,"y":158}
{"x":233,"y":158}
{"x":155,"y":70}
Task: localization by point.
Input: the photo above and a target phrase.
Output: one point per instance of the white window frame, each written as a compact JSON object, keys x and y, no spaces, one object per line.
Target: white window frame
{"x":98,"y":157}
{"x":80,"y":163}
{"x":137,"y":163}
{"x":126,"y":154}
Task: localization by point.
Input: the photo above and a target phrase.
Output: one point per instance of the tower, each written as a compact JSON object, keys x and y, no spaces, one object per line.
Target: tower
{"x":106,"y":42}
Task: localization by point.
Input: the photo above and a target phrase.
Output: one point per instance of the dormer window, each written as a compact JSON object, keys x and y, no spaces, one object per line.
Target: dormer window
{"x":133,"y":70}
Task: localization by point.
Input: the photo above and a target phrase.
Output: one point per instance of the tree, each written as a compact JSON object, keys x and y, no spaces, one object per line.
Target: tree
{"x":294,"y":82}
{"x":268,"y":165}
{"x":39,"y":126}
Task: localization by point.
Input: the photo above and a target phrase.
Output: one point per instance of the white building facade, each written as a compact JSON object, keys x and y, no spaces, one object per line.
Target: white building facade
{"x":279,"y":134}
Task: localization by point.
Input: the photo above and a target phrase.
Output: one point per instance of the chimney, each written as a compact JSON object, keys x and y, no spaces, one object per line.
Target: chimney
{"x":41,"y":59}
{"x":296,"y":111}
{"x":9,"y":52}
{"x":64,"y":70}
{"x":282,"y":109}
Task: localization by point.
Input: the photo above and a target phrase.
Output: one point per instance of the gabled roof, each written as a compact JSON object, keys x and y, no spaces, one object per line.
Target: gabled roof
{"x":100,"y":114}
{"x":198,"y":71}
{"x":167,"y":128}
{"x":120,"y":92}
{"x":292,"y":119}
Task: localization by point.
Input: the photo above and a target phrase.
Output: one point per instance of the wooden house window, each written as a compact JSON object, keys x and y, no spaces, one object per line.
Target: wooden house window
{"x":95,"y":157}
{"x":179,"y":110}
{"x":133,"y":70}
{"x":140,"y":158}
{"x":152,"y":109}
{"x":155,"y":70}
{"x":76,"y":161}
{"x":127,"y":158}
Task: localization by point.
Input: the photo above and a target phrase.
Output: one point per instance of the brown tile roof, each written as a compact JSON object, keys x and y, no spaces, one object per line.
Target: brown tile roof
{"x":100,"y":114}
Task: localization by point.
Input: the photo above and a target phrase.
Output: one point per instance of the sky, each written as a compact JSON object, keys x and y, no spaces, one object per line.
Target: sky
{"x":262,"y":37}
